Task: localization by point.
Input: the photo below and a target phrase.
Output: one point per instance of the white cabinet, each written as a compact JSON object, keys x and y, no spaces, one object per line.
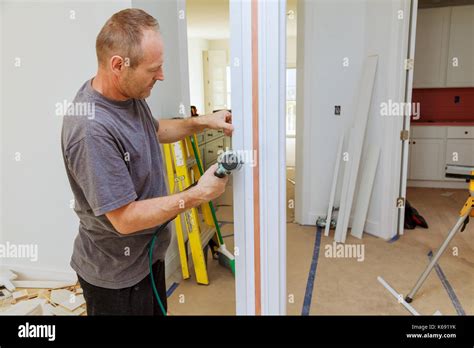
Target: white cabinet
{"x":460,"y":151}
{"x":431,"y":148}
{"x":431,"y":47}
{"x":444,"y":47}
{"x":462,"y":132}
{"x":460,"y":145}
{"x":461,"y":48}
{"x":426,"y":159}
{"x":211,"y":144}
{"x":428,"y":132}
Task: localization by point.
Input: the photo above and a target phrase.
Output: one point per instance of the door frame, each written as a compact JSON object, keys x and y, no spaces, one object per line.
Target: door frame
{"x":411,"y":37}
{"x":258,"y":30}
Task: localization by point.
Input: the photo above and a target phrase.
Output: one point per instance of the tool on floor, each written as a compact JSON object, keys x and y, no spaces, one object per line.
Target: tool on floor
{"x":452,"y":171}
{"x":398,"y":296}
{"x":400,"y":299}
{"x":227,"y":162}
{"x":413,"y":218}
{"x":321,"y":222}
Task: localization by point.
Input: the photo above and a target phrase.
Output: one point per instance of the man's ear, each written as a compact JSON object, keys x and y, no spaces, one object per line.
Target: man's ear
{"x":117,"y":64}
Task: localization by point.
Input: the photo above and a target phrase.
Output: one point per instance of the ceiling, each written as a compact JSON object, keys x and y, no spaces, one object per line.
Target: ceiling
{"x":209,"y":19}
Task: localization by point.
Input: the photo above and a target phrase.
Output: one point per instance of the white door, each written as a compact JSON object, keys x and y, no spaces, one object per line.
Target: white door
{"x":406,"y":124}
{"x":215,"y":80}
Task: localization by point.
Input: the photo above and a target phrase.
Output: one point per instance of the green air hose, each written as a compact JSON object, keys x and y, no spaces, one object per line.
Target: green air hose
{"x":153,"y":285}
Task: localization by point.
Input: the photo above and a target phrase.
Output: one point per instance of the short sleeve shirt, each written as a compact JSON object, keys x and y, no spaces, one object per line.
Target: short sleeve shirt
{"x":112,"y":158}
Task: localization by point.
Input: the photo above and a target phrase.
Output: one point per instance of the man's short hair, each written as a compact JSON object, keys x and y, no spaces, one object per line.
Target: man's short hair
{"x":122,"y":35}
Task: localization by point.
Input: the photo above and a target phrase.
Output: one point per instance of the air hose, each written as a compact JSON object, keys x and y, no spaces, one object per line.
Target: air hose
{"x":150,"y":253}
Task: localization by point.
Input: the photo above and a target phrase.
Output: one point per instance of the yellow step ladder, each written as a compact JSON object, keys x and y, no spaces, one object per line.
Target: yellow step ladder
{"x":182,"y":171}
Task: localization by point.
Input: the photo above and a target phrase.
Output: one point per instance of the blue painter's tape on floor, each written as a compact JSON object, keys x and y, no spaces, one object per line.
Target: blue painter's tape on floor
{"x":312,"y":274}
{"x":394,"y":239}
{"x":448,"y":287}
{"x":172,"y":288}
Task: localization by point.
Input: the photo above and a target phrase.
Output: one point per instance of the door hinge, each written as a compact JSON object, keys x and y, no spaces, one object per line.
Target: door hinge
{"x":400,"y":202}
{"x":404,"y":135}
{"x":409,"y":64}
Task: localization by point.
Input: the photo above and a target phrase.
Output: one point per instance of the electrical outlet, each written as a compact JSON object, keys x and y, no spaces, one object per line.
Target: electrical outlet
{"x":337,"y":110}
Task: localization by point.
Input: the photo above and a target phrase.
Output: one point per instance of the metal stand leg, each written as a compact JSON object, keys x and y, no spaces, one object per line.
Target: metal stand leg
{"x":435,"y":258}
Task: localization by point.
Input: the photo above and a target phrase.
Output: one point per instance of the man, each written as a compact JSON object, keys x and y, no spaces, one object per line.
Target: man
{"x":114,"y":166}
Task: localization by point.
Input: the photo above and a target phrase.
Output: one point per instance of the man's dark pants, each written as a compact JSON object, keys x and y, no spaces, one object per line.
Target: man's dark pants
{"x":135,"y":300}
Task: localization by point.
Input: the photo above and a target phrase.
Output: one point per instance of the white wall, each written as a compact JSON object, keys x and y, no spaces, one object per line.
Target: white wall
{"x":57,"y":56}
{"x":291,"y":63}
{"x":330,"y":31}
{"x":167,"y":97}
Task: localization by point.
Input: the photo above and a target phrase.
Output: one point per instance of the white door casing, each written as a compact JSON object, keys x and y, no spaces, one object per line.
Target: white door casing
{"x":258,"y":58}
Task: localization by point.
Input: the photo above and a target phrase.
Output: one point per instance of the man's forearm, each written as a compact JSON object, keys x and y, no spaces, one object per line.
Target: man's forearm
{"x":140,"y":215}
{"x":172,"y":130}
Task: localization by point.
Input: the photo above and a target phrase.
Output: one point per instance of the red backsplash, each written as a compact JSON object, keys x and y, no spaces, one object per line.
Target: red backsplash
{"x":438,"y":104}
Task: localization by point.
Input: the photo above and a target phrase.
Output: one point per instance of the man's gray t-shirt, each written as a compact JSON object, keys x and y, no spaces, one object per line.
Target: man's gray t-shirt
{"x":112,"y":158}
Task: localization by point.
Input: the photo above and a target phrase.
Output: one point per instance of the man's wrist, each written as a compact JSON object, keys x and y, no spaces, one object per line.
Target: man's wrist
{"x":196,"y":196}
{"x":199,"y":123}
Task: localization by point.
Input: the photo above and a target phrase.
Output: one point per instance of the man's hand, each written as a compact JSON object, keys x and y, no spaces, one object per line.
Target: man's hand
{"x":219,"y":120}
{"x":174,"y":130}
{"x":210,"y":186}
{"x":139,"y":215}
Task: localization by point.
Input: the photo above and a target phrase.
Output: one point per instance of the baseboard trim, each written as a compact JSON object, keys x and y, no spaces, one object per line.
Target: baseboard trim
{"x":36,"y":273}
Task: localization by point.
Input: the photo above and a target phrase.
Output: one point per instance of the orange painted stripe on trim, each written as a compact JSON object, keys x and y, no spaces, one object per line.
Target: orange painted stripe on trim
{"x":256,"y":175}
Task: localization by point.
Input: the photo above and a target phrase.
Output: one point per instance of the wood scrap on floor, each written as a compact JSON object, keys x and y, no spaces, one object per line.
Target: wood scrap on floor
{"x":58,"y":310}
{"x":42,"y":284}
{"x":68,"y":300}
{"x":355,"y":146}
{"x":367,"y":178}
{"x":332,"y":195}
{"x":28,"y":307}
{"x":20,"y":295}
{"x":447,"y":194}
{"x":6,"y":277}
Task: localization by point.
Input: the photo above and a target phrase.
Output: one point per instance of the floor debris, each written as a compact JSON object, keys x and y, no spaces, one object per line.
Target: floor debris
{"x":41,"y":297}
